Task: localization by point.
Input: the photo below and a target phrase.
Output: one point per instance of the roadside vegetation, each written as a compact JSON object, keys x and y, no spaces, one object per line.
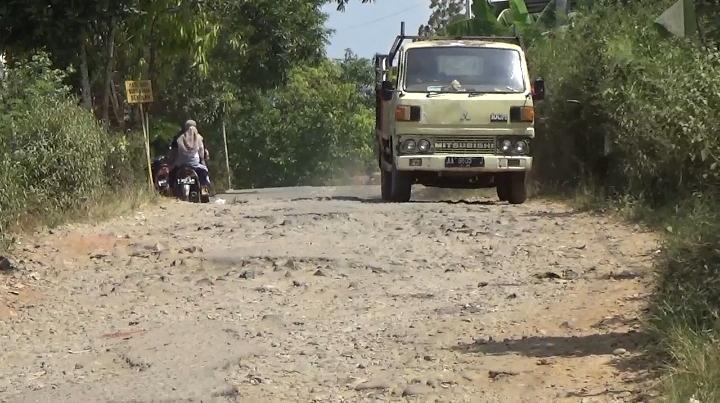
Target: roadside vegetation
{"x":56,"y":160}
{"x":643,"y":138}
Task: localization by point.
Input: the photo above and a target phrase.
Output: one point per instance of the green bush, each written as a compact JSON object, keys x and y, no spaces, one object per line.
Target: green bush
{"x":126,"y":164}
{"x":54,"y":155}
{"x":314,"y":129}
{"x":653,"y":97}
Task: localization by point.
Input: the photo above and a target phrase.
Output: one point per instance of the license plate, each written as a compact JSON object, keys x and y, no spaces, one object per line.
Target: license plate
{"x":464,"y":162}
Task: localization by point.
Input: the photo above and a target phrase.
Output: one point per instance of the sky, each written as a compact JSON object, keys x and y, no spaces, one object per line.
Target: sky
{"x":371,"y":28}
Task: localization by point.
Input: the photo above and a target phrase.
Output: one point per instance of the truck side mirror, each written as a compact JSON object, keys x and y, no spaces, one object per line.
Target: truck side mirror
{"x":387,"y":90}
{"x":538,"y":90}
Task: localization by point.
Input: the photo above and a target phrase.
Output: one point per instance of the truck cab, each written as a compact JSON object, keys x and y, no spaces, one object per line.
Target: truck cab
{"x":455,"y":113}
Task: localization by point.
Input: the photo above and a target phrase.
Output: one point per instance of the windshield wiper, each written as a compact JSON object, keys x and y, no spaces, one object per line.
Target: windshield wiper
{"x":506,"y":90}
{"x":433,"y":94}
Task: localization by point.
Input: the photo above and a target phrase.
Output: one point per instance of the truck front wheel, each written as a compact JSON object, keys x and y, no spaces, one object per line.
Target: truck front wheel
{"x":395,"y":185}
{"x":386,"y":185}
{"x":502,"y":184}
{"x":401,"y":186}
{"x":511,"y":187}
{"x":518,"y":190}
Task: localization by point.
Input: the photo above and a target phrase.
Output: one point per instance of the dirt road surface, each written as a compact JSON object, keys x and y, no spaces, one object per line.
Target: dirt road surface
{"x":326,"y":294}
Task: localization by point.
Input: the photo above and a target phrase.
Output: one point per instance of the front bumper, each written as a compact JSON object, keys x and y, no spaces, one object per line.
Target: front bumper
{"x":436,"y":163}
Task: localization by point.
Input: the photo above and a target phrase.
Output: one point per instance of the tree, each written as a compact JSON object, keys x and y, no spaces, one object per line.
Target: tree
{"x":315,"y":128}
{"x":443,"y":13}
{"x":68,"y":29}
{"x":215,"y":48}
{"x":258,"y":43}
{"x":341,"y":3}
{"x":360,"y":72}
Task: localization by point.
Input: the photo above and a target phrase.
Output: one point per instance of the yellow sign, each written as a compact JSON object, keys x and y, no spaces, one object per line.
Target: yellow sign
{"x":139,"y":92}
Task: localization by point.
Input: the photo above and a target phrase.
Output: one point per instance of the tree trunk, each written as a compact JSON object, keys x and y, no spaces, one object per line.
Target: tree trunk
{"x":119,"y":113}
{"x":109,"y":71}
{"x":85,"y":73}
{"x":152,"y":59}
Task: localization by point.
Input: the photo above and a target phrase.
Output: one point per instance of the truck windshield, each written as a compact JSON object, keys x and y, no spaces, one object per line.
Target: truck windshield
{"x":466,"y":69}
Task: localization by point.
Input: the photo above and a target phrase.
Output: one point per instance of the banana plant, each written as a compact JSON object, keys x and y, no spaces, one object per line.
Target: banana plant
{"x":484,"y":22}
{"x":516,"y":19}
{"x":516,"y":16}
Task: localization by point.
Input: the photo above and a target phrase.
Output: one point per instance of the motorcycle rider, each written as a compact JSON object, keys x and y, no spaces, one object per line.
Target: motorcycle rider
{"x":188,"y":149}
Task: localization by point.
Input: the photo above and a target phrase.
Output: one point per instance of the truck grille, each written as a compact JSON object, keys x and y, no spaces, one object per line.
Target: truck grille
{"x":465,"y":145}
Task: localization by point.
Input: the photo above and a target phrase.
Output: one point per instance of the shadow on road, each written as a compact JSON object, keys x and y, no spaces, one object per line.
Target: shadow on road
{"x":571,"y":346}
{"x":552,"y":214}
{"x":640,"y":367}
{"x":380,"y":201}
{"x":465,"y":202}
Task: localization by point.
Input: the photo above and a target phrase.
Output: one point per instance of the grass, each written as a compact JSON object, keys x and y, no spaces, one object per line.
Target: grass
{"x":694,"y":369}
{"x":111,"y":204}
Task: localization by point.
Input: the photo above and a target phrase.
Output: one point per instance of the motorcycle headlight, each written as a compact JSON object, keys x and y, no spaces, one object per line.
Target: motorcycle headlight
{"x":424,"y":146}
{"x":409,"y":146}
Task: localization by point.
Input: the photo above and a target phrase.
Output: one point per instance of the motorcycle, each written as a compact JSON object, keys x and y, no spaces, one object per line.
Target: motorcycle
{"x":187,"y":186}
{"x":161,"y":176}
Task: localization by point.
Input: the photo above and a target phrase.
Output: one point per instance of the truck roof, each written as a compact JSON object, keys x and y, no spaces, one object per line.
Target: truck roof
{"x":478,"y":43}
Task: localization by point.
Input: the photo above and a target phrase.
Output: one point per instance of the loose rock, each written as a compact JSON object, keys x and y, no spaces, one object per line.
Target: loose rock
{"x":373,"y":384}
{"x":548,"y":275}
{"x":416,"y":389}
{"x":624,"y":275}
{"x":5,"y":265}
{"x":500,"y":374}
{"x":205,"y":282}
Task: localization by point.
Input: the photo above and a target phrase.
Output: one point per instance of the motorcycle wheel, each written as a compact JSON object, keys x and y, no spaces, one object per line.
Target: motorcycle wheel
{"x":183,"y":193}
{"x":195,"y":194}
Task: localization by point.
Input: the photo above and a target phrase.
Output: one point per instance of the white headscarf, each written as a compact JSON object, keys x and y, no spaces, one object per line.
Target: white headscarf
{"x":190,"y":141}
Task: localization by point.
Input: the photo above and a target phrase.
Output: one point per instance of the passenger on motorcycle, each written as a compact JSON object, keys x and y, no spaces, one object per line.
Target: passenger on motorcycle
{"x":188,"y":149}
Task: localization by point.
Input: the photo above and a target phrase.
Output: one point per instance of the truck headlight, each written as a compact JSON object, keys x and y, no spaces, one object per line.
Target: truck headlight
{"x":521,"y":147}
{"x":506,"y":146}
{"x":424,"y":146}
{"x":514,"y":146}
{"x":409,"y":146}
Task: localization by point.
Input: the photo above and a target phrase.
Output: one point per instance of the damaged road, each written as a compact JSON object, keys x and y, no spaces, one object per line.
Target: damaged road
{"x":326,"y":294}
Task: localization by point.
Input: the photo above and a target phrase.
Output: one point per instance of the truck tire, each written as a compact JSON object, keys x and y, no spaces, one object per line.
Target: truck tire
{"x":386,"y":185}
{"x":518,"y":190}
{"x":502,"y":185}
{"x":401,"y":186}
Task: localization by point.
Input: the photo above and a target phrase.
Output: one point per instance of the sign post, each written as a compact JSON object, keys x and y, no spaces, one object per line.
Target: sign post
{"x":227,"y":157}
{"x":140,"y":92}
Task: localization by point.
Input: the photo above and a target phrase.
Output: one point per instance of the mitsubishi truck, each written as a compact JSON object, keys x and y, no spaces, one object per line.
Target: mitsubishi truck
{"x":455,"y":113}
